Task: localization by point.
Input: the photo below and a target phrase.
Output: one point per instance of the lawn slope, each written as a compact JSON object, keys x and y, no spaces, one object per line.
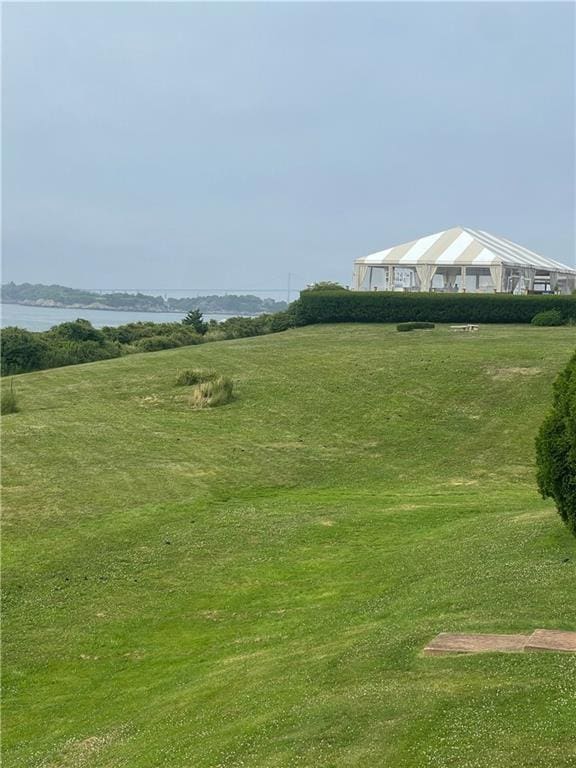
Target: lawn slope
{"x":252,"y":585}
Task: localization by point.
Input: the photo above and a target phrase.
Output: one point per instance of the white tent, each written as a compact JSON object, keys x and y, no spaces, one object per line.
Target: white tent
{"x":462,"y":259}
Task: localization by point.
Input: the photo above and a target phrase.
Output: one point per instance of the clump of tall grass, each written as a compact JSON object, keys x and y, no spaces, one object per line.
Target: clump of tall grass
{"x":8,"y":400}
{"x":212,"y":393}
{"x":192,"y":376}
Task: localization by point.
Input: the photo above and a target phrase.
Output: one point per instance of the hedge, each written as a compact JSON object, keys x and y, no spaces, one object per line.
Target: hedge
{"x":417,"y":326}
{"x":556,"y":448}
{"x":383,"y":307}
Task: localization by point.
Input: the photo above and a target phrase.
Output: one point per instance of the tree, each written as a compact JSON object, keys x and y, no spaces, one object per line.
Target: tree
{"x":326,"y":285}
{"x":194,"y":318}
{"x":556,"y":448}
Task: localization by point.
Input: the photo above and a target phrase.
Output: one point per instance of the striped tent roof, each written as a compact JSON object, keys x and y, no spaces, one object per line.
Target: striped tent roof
{"x":463,"y":246}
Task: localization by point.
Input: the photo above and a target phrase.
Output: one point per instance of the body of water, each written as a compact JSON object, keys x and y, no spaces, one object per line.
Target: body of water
{"x":43,"y":318}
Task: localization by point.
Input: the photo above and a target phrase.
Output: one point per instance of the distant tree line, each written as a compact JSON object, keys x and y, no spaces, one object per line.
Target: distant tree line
{"x":80,"y":342}
{"x":61,"y":296}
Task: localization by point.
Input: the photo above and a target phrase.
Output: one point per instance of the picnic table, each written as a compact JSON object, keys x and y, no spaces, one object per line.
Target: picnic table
{"x":468,"y":327}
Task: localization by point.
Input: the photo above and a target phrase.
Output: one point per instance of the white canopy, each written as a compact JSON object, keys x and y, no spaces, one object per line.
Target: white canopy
{"x":460,"y":245}
{"x":463,"y":249}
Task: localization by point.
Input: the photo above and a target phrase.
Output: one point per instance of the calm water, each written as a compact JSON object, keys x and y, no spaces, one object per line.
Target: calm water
{"x":42,"y":318}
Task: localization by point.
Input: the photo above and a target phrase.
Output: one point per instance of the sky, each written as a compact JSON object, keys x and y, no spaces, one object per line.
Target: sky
{"x":228,"y":145}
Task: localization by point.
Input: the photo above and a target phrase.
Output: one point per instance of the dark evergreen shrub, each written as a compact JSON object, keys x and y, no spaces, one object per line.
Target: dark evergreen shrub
{"x":556,"y":447}
{"x":194,"y":319}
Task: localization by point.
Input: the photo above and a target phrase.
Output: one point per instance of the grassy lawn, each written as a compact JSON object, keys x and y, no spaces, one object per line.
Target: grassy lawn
{"x":252,"y":585}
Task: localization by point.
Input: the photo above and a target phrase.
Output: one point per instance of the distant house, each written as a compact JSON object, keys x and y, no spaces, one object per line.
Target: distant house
{"x":459,"y":260}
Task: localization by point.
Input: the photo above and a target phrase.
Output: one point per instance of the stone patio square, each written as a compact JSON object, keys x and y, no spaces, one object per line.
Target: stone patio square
{"x":551,"y":640}
{"x":446,"y":642}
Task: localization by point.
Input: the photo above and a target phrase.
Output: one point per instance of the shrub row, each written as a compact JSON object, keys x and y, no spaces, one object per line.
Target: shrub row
{"x":79,"y":342}
{"x":556,"y":448}
{"x":382,"y":307}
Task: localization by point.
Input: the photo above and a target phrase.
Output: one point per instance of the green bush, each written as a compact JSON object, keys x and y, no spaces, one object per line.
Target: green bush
{"x":244,"y":327}
{"x":210,"y":394}
{"x":383,"y":307}
{"x":556,"y":448}
{"x":132,"y":332}
{"x":8,"y":400}
{"x":61,"y":352}
{"x":281,"y":321}
{"x":21,"y":351}
{"x":415,"y":326}
{"x":156,"y":343}
{"x":549,"y":317}
{"x":78,"y":330}
{"x":193,"y":376}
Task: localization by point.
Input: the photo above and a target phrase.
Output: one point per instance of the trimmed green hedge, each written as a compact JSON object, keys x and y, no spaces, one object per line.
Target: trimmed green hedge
{"x":381,"y":307}
{"x":556,"y":447}
{"x":418,"y":326}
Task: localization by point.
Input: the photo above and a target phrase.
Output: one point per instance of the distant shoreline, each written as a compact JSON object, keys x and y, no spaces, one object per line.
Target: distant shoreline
{"x":107,"y":308}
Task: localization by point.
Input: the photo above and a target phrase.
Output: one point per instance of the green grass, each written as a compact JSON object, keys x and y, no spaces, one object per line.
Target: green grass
{"x":252,"y":585}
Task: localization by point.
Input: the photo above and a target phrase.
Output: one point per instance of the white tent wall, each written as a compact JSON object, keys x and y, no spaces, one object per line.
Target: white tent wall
{"x":496,"y":273}
{"x":360,"y":275}
{"x":426,"y":278}
{"x":425,"y":274}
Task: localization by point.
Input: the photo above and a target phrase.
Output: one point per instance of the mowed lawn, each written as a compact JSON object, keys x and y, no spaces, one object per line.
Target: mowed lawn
{"x":252,"y":585}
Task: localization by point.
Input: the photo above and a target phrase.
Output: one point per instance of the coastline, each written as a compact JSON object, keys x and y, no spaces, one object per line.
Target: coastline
{"x":108,"y":308}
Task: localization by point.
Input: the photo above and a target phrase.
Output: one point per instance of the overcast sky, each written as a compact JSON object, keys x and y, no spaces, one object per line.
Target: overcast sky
{"x":226,"y":145}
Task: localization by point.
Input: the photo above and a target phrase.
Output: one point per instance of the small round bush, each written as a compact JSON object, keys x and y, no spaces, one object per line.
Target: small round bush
{"x":549,"y":318}
{"x":415,"y":326}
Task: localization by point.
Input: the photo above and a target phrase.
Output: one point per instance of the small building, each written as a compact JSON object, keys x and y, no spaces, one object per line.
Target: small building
{"x":462,"y":260}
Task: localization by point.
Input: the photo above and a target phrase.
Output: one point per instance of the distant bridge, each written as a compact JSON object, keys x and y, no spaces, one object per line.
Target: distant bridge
{"x":188,"y":290}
